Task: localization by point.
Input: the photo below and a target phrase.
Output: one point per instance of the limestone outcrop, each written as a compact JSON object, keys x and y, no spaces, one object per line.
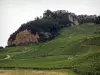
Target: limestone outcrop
{"x":24,"y":38}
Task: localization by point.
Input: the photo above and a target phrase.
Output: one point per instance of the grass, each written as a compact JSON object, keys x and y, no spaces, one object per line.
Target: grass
{"x":2,"y":56}
{"x":36,"y":72}
{"x":77,"y":48}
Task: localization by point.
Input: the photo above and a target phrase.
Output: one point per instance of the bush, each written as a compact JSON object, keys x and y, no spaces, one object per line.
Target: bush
{"x":1,"y":47}
{"x":97,"y":20}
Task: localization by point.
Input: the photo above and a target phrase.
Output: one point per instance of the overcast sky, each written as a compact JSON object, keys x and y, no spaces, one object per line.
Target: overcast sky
{"x":13,"y":13}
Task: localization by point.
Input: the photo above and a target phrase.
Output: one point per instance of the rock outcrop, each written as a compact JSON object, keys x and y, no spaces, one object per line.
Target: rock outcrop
{"x":24,"y":38}
{"x":73,"y":19}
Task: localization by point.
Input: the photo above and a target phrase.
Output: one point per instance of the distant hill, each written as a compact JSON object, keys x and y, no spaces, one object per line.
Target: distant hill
{"x":47,"y":27}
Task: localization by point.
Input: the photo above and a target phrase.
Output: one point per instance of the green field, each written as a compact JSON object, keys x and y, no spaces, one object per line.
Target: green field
{"x":76,"y":48}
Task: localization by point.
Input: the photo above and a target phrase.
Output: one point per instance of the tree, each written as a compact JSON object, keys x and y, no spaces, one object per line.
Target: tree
{"x":97,"y":21}
{"x":1,"y":47}
{"x":47,"y":13}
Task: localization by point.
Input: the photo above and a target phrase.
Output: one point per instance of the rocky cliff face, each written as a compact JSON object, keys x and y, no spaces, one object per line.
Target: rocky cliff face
{"x":73,"y":18}
{"x":24,"y":38}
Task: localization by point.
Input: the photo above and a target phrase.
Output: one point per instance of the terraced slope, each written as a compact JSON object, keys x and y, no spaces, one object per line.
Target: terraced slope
{"x":77,"y":48}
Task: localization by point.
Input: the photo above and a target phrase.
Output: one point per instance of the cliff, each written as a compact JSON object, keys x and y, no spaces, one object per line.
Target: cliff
{"x":24,"y":38}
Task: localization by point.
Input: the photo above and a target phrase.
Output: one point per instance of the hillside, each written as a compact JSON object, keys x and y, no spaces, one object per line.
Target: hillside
{"x":76,"y":48}
{"x":47,"y":27}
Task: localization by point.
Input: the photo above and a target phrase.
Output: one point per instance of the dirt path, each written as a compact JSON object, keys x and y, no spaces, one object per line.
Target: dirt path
{"x":8,"y":56}
{"x":30,"y":72}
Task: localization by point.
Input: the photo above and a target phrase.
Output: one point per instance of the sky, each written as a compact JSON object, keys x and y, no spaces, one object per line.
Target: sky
{"x":13,"y":13}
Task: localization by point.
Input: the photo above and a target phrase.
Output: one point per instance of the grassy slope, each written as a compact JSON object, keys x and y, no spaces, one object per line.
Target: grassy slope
{"x":66,"y":51}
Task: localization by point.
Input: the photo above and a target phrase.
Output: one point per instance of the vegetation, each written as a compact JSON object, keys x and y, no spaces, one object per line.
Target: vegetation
{"x":1,"y":47}
{"x":51,"y":22}
{"x":76,"y":48}
{"x":36,"y":72}
{"x":97,"y":21}
{"x":48,"y":26}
